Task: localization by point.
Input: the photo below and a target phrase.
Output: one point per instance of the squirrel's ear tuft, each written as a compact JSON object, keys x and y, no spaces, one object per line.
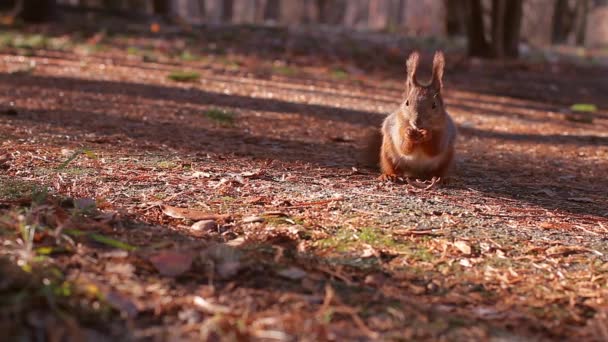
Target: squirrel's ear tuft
{"x":412,"y":66}
{"x":438,"y":66}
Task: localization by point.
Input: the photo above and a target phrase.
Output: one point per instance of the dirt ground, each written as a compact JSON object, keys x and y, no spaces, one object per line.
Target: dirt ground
{"x":226,"y":201}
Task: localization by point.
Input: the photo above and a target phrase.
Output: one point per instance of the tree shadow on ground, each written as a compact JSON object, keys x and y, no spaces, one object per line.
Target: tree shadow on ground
{"x":482,"y":170}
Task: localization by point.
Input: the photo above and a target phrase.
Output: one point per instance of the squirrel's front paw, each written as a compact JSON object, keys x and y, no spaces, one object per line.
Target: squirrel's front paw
{"x":387,"y":177}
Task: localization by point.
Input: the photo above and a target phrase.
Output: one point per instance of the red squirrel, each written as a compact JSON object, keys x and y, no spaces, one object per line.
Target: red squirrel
{"x":417,"y":140}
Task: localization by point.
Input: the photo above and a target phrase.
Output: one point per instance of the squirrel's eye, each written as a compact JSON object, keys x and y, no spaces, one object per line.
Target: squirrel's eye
{"x":407,"y":103}
{"x":434,"y":105}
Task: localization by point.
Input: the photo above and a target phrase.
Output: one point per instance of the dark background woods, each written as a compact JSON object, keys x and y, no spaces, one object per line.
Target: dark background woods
{"x":493,"y":28}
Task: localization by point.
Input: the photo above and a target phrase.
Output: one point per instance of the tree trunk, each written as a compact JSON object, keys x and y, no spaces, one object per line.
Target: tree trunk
{"x":227,"y":10}
{"x":596,"y":35}
{"x":580,"y":21}
{"x":272,"y":10}
{"x":37,"y":10}
{"x":161,"y":7}
{"x":477,"y":44}
{"x":563,"y":20}
{"x":505,"y":26}
{"x":455,"y":18}
{"x":512,"y":30}
{"x":378,"y":14}
{"x":499,"y":8}
{"x":354,"y":13}
{"x":321,"y":10}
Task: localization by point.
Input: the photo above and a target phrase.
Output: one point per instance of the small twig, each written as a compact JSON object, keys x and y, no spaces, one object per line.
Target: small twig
{"x":358,"y":321}
{"x":430,"y":232}
{"x":209,"y":307}
{"x":335,"y":274}
{"x":586,"y":230}
{"x":313,"y":203}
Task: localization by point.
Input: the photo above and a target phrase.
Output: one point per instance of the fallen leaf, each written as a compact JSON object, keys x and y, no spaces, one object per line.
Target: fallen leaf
{"x":463,"y":246}
{"x":172,"y":263}
{"x":191,"y":214}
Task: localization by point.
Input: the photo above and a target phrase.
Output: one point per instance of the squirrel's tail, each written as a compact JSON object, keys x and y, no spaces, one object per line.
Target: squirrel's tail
{"x":370,"y":154}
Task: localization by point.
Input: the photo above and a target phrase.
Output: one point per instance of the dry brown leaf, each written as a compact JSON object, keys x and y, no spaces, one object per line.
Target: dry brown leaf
{"x":463,"y":246}
{"x":172,"y":263}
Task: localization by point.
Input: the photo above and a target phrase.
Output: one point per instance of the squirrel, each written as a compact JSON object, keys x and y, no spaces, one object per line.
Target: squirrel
{"x":417,"y":140}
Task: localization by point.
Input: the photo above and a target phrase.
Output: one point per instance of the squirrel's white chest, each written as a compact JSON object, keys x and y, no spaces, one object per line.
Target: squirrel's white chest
{"x":420,"y":161}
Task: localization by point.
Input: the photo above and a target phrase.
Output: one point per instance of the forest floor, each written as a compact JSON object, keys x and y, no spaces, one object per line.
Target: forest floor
{"x":153,"y":191}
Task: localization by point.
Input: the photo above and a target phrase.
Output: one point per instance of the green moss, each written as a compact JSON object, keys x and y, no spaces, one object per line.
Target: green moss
{"x":339,"y":74}
{"x":188,"y":56}
{"x":376,"y":237}
{"x":220,"y":116}
{"x":285,"y":70}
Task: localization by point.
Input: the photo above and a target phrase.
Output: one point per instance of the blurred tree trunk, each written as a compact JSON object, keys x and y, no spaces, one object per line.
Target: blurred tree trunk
{"x":580,"y":21}
{"x":260,"y":10}
{"x":272,"y":10}
{"x":378,"y":11}
{"x":563,"y":21}
{"x":499,"y":9}
{"x":512,"y":31}
{"x":37,"y":10}
{"x":213,"y":10}
{"x":161,"y":7}
{"x":596,"y":35}
{"x":112,"y":4}
{"x":8,"y":5}
{"x":455,"y":18}
{"x":395,"y":15}
{"x":355,"y":12}
{"x":227,"y":10}
{"x":322,"y":11}
{"x":505,"y":29}
{"x":477,"y":44}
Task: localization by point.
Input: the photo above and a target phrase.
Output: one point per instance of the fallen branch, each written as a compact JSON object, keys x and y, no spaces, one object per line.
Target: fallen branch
{"x":313,"y":203}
